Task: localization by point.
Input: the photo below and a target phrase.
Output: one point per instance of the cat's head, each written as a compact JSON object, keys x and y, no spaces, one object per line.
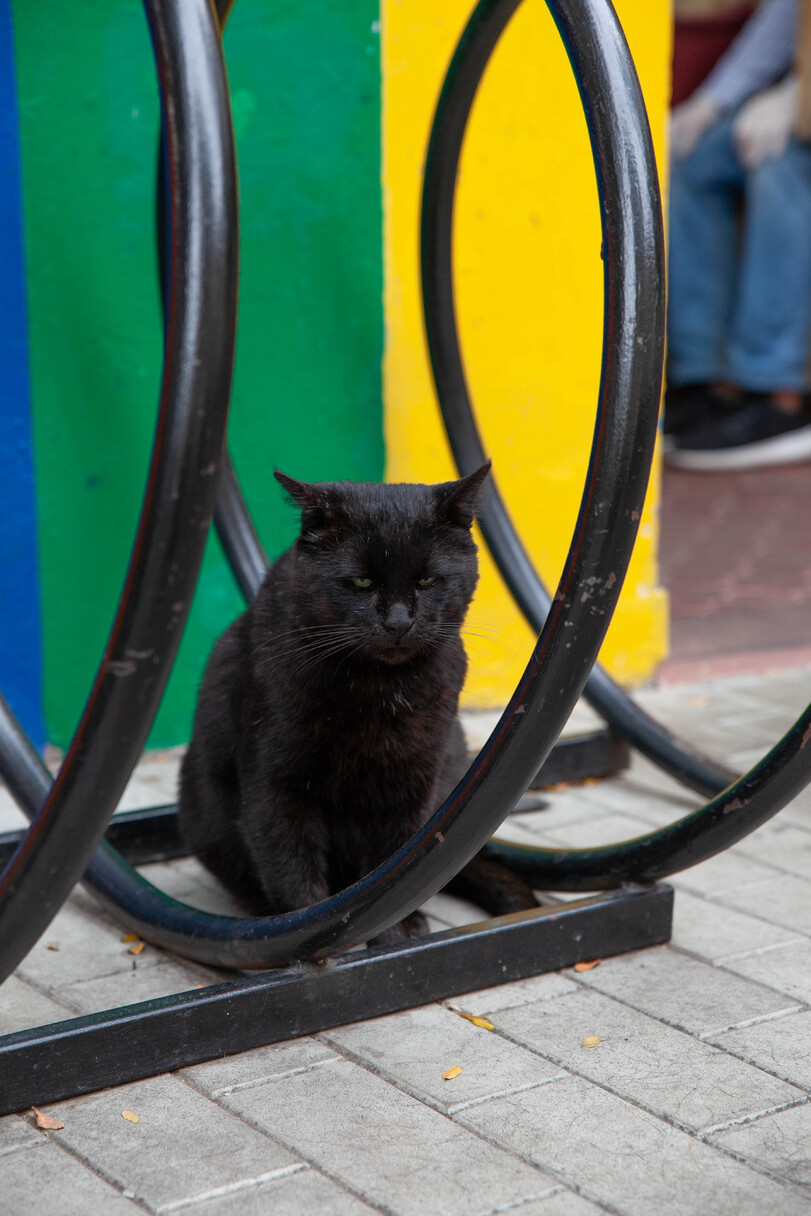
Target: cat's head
{"x":393,"y":566}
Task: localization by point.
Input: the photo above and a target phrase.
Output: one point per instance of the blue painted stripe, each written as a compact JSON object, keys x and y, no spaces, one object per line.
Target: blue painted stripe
{"x":20,"y":632}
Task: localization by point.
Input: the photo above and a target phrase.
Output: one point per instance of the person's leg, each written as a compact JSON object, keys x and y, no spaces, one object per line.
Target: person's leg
{"x":704,"y":190}
{"x":771,"y":324}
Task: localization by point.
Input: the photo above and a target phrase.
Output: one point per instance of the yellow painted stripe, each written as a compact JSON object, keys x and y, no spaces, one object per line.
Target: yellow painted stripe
{"x":529,"y":296}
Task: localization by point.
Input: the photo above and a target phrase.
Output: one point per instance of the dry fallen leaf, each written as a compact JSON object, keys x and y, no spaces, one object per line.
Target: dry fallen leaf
{"x":452,"y":1072}
{"x":471,"y":1017}
{"x":591,"y":1040}
{"x":129,"y":937}
{"x":52,"y":945}
{"x":46,"y":1122}
{"x":587,"y":966}
{"x":137,"y":949}
{"x":130,"y":1116}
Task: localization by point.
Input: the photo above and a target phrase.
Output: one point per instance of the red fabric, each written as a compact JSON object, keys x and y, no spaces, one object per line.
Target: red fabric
{"x":698,"y":44}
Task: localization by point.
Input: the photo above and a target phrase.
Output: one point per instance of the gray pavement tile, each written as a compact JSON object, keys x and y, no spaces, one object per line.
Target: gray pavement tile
{"x":415,"y":1048}
{"x":160,"y":977}
{"x":451,"y":911}
{"x":726,"y":873}
{"x":189,"y":882}
{"x":782,"y":1046}
{"x":564,"y":807}
{"x":559,"y":1203}
{"x":51,"y":1181}
{"x":780,"y":844}
{"x":302,"y":1193}
{"x":714,"y":932}
{"x":17,"y":1133}
{"x":519,"y":992}
{"x":668,"y":1072}
{"x":22,"y":1007}
{"x":184,"y":1145}
{"x":786,"y":968}
{"x":599,"y":830}
{"x":386,"y":1145}
{"x":780,"y":1143}
{"x":89,"y":946}
{"x":11,"y":817}
{"x":785,"y":900}
{"x":624,"y":1157}
{"x":251,"y":1068}
{"x":682,"y":991}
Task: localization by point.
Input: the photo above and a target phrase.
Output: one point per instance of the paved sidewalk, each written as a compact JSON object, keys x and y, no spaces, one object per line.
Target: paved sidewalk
{"x":695,"y":1102}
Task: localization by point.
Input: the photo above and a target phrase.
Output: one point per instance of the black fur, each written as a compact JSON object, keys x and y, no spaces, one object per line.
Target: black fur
{"x":326,"y":729}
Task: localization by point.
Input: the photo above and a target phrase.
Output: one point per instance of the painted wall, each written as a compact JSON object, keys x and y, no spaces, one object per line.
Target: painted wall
{"x":331,"y":134}
{"x":529,"y":296}
{"x":305,"y":79}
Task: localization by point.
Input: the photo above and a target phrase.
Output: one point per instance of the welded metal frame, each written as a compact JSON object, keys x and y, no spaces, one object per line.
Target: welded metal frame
{"x":441,"y":964}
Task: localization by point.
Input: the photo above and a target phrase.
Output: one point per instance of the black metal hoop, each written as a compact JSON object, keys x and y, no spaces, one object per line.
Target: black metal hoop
{"x":71,"y":815}
{"x":615,"y":489}
{"x":763,"y":791}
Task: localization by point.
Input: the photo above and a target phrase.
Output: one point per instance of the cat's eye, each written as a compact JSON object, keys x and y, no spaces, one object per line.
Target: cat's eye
{"x":361,"y":582}
{"x":427,"y":582}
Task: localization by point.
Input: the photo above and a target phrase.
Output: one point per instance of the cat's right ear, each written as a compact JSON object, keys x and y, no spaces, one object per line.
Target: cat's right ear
{"x":319,"y":510}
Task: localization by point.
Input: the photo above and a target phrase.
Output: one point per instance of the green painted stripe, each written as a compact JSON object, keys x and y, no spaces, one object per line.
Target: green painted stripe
{"x":305,"y":78}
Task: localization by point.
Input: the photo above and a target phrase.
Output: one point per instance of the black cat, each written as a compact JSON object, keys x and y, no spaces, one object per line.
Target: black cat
{"x":326,"y":730}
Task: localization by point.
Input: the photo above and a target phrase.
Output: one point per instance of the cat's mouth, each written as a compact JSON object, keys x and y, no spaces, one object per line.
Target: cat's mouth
{"x":395,"y":652}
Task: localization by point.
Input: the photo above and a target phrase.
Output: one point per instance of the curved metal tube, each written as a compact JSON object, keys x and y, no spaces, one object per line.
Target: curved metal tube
{"x":180,"y":493}
{"x":772,"y":783}
{"x":585,"y":600}
{"x":441,"y":171}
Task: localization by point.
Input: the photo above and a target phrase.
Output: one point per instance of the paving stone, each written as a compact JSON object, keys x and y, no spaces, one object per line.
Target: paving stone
{"x":624,"y":1157}
{"x":22,"y":1007}
{"x":11,"y":817}
{"x":302,"y":1193}
{"x":782,"y":845}
{"x":519,"y":992}
{"x":184,"y":1145}
{"x":785,"y":900}
{"x":562,"y":809}
{"x":715,"y":932}
{"x":782,"y":1046}
{"x":723,"y":874}
{"x":559,"y":1203}
{"x":51,"y":1181}
{"x":665,"y":1070}
{"x":413,"y":1049}
{"x":778,"y":1142}
{"x":686,"y":993}
{"x":89,"y":946}
{"x":384,"y":1144}
{"x":599,"y":830}
{"x":453,"y":912}
{"x":189,"y":882}
{"x":155,"y":978}
{"x":786,"y":968}
{"x":17,"y":1133}
{"x":251,"y":1068}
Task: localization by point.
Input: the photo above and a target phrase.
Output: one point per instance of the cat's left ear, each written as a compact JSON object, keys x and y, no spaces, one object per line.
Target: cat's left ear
{"x":320,"y":508}
{"x":457,"y":499}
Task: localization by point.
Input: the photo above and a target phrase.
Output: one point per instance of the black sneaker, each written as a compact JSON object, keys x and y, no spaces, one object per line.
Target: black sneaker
{"x":687,"y":405}
{"x":749,"y":435}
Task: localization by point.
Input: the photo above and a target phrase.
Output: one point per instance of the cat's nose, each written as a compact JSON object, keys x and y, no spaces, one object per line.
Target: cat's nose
{"x":397,"y":621}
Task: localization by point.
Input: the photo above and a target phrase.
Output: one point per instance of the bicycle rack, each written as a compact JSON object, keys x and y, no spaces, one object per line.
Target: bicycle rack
{"x":70,"y":814}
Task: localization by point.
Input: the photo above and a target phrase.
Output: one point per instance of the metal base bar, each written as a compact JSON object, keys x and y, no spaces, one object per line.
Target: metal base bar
{"x":84,"y":1054}
{"x":145,"y":836}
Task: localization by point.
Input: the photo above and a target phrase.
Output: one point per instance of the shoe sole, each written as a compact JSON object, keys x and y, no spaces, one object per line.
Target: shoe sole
{"x":791,"y":448}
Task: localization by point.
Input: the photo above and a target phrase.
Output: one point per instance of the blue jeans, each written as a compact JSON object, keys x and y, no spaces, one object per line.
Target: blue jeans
{"x":740,"y":266}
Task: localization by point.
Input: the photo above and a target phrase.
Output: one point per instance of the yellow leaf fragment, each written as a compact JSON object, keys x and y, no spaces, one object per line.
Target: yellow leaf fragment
{"x":591,"y":1040}
{"x":46,"y":1122}
{"x":130,"y":1116}
{"x":452,"y":1072}
{"x":477,"y":1021}
{"x":129,"y":937}
{"x":137,"y":949}
{"x":52,"y":945}
{"x":587,"y":966}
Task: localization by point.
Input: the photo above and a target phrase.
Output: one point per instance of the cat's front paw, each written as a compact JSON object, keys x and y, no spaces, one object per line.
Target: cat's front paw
{"x":414,"y":925}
